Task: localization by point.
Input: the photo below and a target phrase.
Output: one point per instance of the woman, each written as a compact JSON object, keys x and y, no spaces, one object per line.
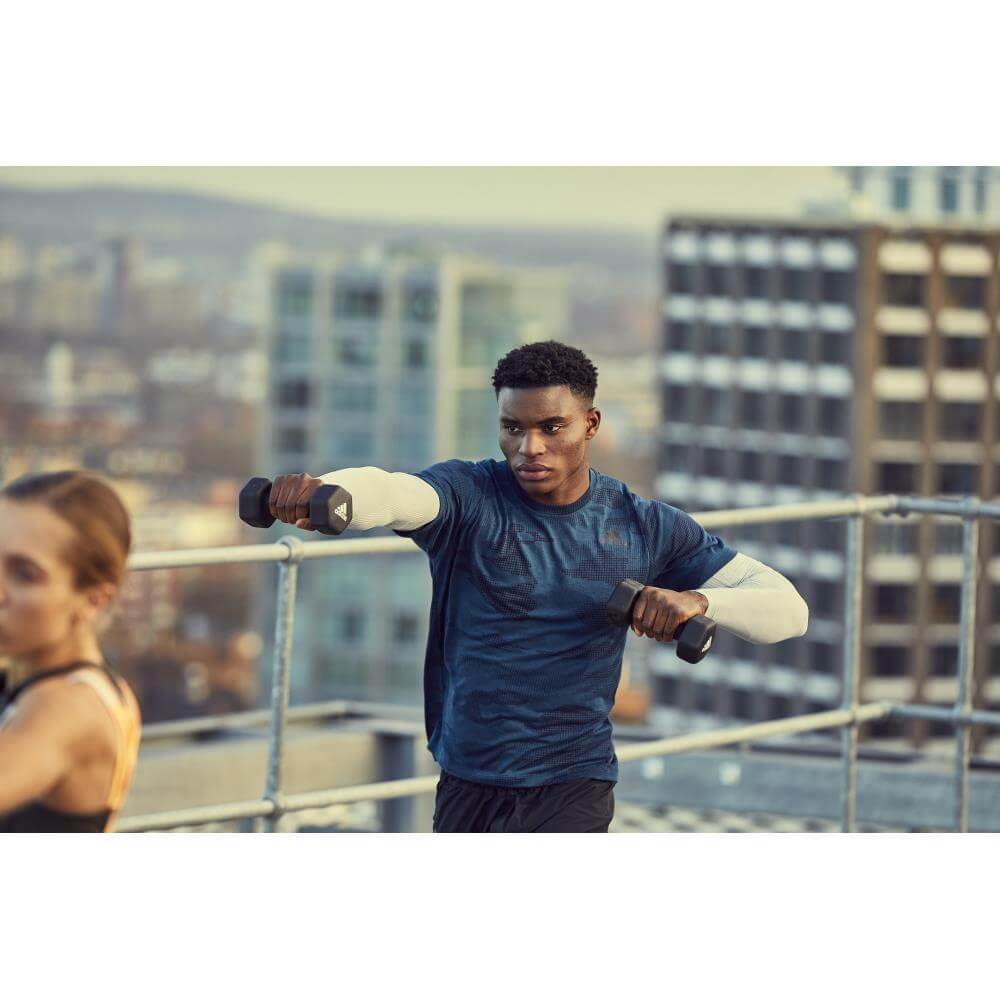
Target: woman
{"x":69,"y":734}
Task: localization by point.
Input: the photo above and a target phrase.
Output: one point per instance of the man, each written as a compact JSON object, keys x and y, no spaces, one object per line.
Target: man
{"x":522,"y":662}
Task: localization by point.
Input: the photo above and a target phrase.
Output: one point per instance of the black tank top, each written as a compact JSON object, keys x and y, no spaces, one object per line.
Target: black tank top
{"x":34,"y":817}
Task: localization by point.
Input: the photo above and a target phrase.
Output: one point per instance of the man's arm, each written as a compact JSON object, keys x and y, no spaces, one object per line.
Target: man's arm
{"x":379,"y":499}
{"x":755,"y":602}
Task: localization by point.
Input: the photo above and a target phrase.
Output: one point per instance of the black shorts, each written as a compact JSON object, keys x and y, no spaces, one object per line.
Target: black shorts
{"x":583,"y":805}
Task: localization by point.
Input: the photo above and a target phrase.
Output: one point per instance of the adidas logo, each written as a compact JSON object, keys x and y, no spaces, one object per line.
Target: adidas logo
{"x":707,"y":644}
{"x":341,"y":511}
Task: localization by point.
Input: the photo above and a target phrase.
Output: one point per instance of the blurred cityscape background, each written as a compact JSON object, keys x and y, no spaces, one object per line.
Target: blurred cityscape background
{"x":763,"y":335}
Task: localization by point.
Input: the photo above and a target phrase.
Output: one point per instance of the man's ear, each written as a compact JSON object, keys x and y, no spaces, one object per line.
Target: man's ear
{"x":593,"y":422}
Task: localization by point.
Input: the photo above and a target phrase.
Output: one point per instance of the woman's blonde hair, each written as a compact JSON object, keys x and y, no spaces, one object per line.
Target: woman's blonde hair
{"x":96,"y":513}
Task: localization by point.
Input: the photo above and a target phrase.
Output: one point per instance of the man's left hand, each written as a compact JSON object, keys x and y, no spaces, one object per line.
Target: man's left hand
{"x":659,"y":613}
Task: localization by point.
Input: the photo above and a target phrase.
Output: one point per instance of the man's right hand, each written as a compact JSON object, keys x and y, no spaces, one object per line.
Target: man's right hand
{"x":289,"y":500}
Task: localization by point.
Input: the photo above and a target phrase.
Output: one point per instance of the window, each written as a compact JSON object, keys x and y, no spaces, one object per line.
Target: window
{"x":948,"y":538}
{"x":716,"y":406}
{"x":716,"y":339}
{"x":944,"y":660}
{"x":962,"y":352}
{"x":751,"y":466}
{"x":351,"y":398}
{"x":900,"y":191}
{"x":353,"y":448}
{"x":948,"y":193}
{"x":995,"y":661}
{"x":903,"y":352}
{"x":790,"y":470}
{"x":957,"y":477}
{"x":889,"y":661}
{"x":421,"y":304}
{"x":415,"y":354}
{"x":791,"y":410}
{"x":904,"y":289}
{"x":291,"y":348}
{"x":783,"y":653}
{"x":893,"y":602}
{"x":755,"y":342}
{"x":666,"y":689}
{"x":294,"y":295}
{"x":896,"y":477}
{"x":414,"y":402}
{"x":795,"y":285}
{"x":680,"y":337}
{"x":714,"y":463}
{"x":704,"y":698}
{"x":830,"y":535}
{"x":823,"y":658}
{"x":356,"y":301}
{"x":752,"y":409}
{"x":681,"y":279}
{"x":406,"y":627}
{"x":832,"y":416}
{"x":290,"y":439}
{"x":895,"y":537}
{"x":790,"y":534}
{"x":835,"y":348}
{"x":756,"y":283}
{"x":946,"y":602}
{"x":900,"y":420}
{"x":352,"y":625}
{"x":831,"y":474}
{"x":357,"y":351}
{"x":779,"y":707}
{"x":741,"y":703}
{"x":965,"y":291}
{"x":961,"y":421}
{"x":826,"y":603}
{"x":836,"y":287}
{"x":979,"y":190}
{"x":795,"y":345}
{"x":678,"y":402}
{"x":293,"y":393}
{"x":718,"y":280}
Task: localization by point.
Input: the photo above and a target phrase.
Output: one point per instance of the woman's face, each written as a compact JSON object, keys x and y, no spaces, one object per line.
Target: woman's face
{"x":40,"y":607}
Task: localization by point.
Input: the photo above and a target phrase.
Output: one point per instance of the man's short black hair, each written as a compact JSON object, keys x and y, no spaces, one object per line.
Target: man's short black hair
{"x":545,"y":363}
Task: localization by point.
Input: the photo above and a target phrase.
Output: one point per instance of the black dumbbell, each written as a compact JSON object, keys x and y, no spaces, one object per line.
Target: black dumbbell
{"x":330,"y":507}
{"x":694,"y":637}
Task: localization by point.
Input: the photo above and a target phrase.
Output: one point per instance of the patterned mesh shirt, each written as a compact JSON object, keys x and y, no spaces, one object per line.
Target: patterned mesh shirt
{"x":522,"y":663}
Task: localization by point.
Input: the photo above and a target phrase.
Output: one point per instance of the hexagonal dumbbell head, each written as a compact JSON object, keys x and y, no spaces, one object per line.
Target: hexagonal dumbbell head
{"x":331,"y":510}
{"x":253,"y":503}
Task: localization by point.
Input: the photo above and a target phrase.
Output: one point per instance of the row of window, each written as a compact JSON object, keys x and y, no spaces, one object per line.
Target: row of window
{"x":897,"y":537}
{"x":412,"y":401}
{"x":758,"y":342}
{"x":885,"y":660}
{"x":962,"y":478}
{"x":731,"y":702}
{"x":904,"y":351}
{"x":758,"y":467}
{"x":295,"y":347}
{"x":947,"y":190}
{"x":760,"y":283}
{"x":959,"y":291}
{"x":903,"y":420}
{"x":353,"y":624}
{"x":296,"y":299}
{"x":755,"y":410}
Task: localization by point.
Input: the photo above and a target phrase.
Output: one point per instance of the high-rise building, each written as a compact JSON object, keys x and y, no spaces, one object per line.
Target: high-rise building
{"x":805,"y":361}
{"x":927,"y":194}
{"x":386,"y":359}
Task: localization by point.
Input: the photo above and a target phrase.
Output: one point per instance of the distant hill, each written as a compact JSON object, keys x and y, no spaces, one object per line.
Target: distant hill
{"x":614,"y":272}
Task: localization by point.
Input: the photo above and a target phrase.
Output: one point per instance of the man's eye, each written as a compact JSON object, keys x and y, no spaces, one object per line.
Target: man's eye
{"x":552,"y":429}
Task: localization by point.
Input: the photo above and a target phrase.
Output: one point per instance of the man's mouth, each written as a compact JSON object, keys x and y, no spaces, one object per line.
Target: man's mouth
{"x":533,"y":472}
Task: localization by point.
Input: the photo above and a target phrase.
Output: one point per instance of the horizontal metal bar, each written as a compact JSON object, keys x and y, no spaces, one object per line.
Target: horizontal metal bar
{"x":276,"y":552}
{"x":946,"y":715}
{"x":758,"y":731}
{"x":197,"y":816}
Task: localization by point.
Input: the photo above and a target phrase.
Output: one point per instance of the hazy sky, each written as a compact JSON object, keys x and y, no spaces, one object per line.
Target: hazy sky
{"x":629,"y":197}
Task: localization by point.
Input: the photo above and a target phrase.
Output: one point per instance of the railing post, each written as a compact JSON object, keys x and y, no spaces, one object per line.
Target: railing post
{"x":966,"y":650}
{"x":281,"y":676}
{"x":397,"y":759}
{"x":852,"y":666}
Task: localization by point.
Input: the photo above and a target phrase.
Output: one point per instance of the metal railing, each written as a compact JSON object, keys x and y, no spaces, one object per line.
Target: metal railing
{"x":288,"y":552}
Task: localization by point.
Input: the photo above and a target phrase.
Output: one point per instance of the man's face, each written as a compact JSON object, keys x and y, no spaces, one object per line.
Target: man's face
{"x":544,"y":434}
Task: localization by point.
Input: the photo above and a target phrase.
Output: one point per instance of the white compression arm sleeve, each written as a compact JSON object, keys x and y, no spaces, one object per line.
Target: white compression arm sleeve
{"x":381,"y":499}
{"x":755,"y":602}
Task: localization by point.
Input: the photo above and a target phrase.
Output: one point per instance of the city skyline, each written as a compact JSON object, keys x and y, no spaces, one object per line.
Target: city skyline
{"x":629,"y":198}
